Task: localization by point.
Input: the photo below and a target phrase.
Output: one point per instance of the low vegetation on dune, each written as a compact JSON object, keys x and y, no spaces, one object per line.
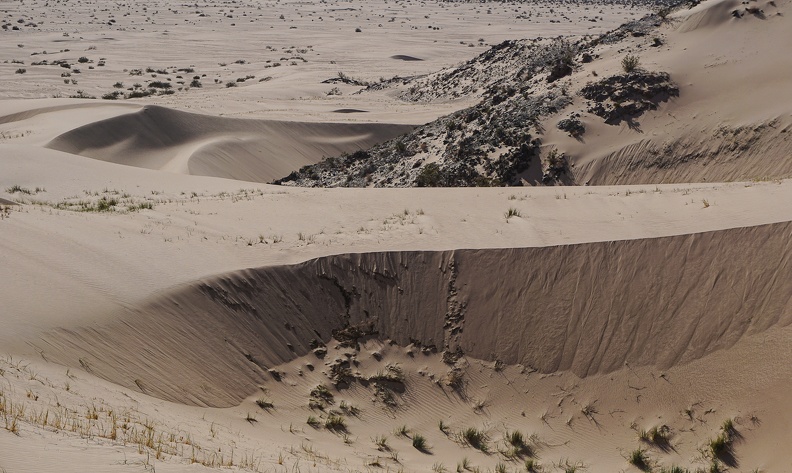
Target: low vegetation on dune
{"x":498,"y":142}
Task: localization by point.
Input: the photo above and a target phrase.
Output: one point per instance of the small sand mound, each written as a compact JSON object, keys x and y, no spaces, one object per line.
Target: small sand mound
{"x":710,"y":15}
{"x":402,"y":57}
{"x":349,"y":110}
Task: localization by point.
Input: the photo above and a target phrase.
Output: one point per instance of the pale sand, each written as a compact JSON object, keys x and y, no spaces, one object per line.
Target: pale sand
{"x":670,"y":306}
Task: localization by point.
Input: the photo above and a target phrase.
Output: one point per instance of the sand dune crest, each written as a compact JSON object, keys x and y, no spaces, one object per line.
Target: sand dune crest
{"x":250,"y":150}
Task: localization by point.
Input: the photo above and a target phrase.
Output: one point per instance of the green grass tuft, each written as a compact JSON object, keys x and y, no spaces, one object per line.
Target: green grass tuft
{"x":638,"y":458}
{"x":419,"y":443}
{"x":336,"y":423}
{"x":475,"y":438}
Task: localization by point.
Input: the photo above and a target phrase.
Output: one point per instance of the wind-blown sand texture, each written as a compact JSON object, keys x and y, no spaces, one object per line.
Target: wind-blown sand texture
{"x":166,"y":308}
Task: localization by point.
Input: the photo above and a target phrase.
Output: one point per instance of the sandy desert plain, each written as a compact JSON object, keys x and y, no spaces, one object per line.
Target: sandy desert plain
{"x":396,"y":236}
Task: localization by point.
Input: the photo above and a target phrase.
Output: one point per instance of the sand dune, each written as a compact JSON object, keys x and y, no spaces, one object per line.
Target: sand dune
{"x":163,"y":309}
{"x":589,"y":309}
{"x":723,"y":154}
{"x":712,"y":15}
{"x":188,"y":143}
{"x":732,"y":113}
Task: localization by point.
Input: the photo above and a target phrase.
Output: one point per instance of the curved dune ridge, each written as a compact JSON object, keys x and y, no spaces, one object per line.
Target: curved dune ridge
{"x":248,"y":150}
{"x":30,"y":112}
{"x":588,"y":308}
{"x":710,"y":15}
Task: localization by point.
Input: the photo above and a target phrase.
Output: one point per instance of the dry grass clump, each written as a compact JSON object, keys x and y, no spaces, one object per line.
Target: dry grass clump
{"x":349,"y":409}
{"x":264,"y":404}
{"x":381,"y":441}
{"x":657,"y":436}
{"x":517,"y":446}
{"x":313,"y":421}
{"x":321,"y":397}
{"x":419,"y":443}
{"x":392,"y":374}
{"x":722,"y":444}
{"x":101,"y":421}
{"x":639,"y":459}
{"x":512,"y":212}
{"x":475,"y":438}
{"x":401,"y":431}
{"x":335,"y":423}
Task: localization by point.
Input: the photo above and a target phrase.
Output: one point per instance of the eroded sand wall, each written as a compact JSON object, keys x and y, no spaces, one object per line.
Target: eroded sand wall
{"x":589,"y":308}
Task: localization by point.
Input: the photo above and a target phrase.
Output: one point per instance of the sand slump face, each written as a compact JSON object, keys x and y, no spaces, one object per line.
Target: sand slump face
{"x":588,"y":308}
{"x":187,"y":143}
{"x":721,"y":154}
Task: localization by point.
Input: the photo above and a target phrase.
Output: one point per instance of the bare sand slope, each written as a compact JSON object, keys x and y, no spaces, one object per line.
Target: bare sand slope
{"x":592,"y":423}
{"x":188,"y":143}
{"x":588,"y":309}
{"x":65,"y":263}
{"x":753,"y":151}
{"x":731,"y":120}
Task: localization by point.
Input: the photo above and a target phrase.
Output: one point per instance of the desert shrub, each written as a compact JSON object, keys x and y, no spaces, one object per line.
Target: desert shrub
{"x":17,"y":188}
{"x":158,"y":84}
{"x":135,"y":94}
{"x":630,"y":63}
{"x":105,"y":205}
{"x":572,"y":125}
{"x":430,"y":176}
{"x":81,"y":95}
{"x":114,"y":95}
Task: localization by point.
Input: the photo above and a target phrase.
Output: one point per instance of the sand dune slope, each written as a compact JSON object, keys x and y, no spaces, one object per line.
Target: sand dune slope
{"x":731,"y":120}
{"x":754,"y":151}
{"x":709,"y":15}
{"x":249,"y":150}
{"x":589,"y":308}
